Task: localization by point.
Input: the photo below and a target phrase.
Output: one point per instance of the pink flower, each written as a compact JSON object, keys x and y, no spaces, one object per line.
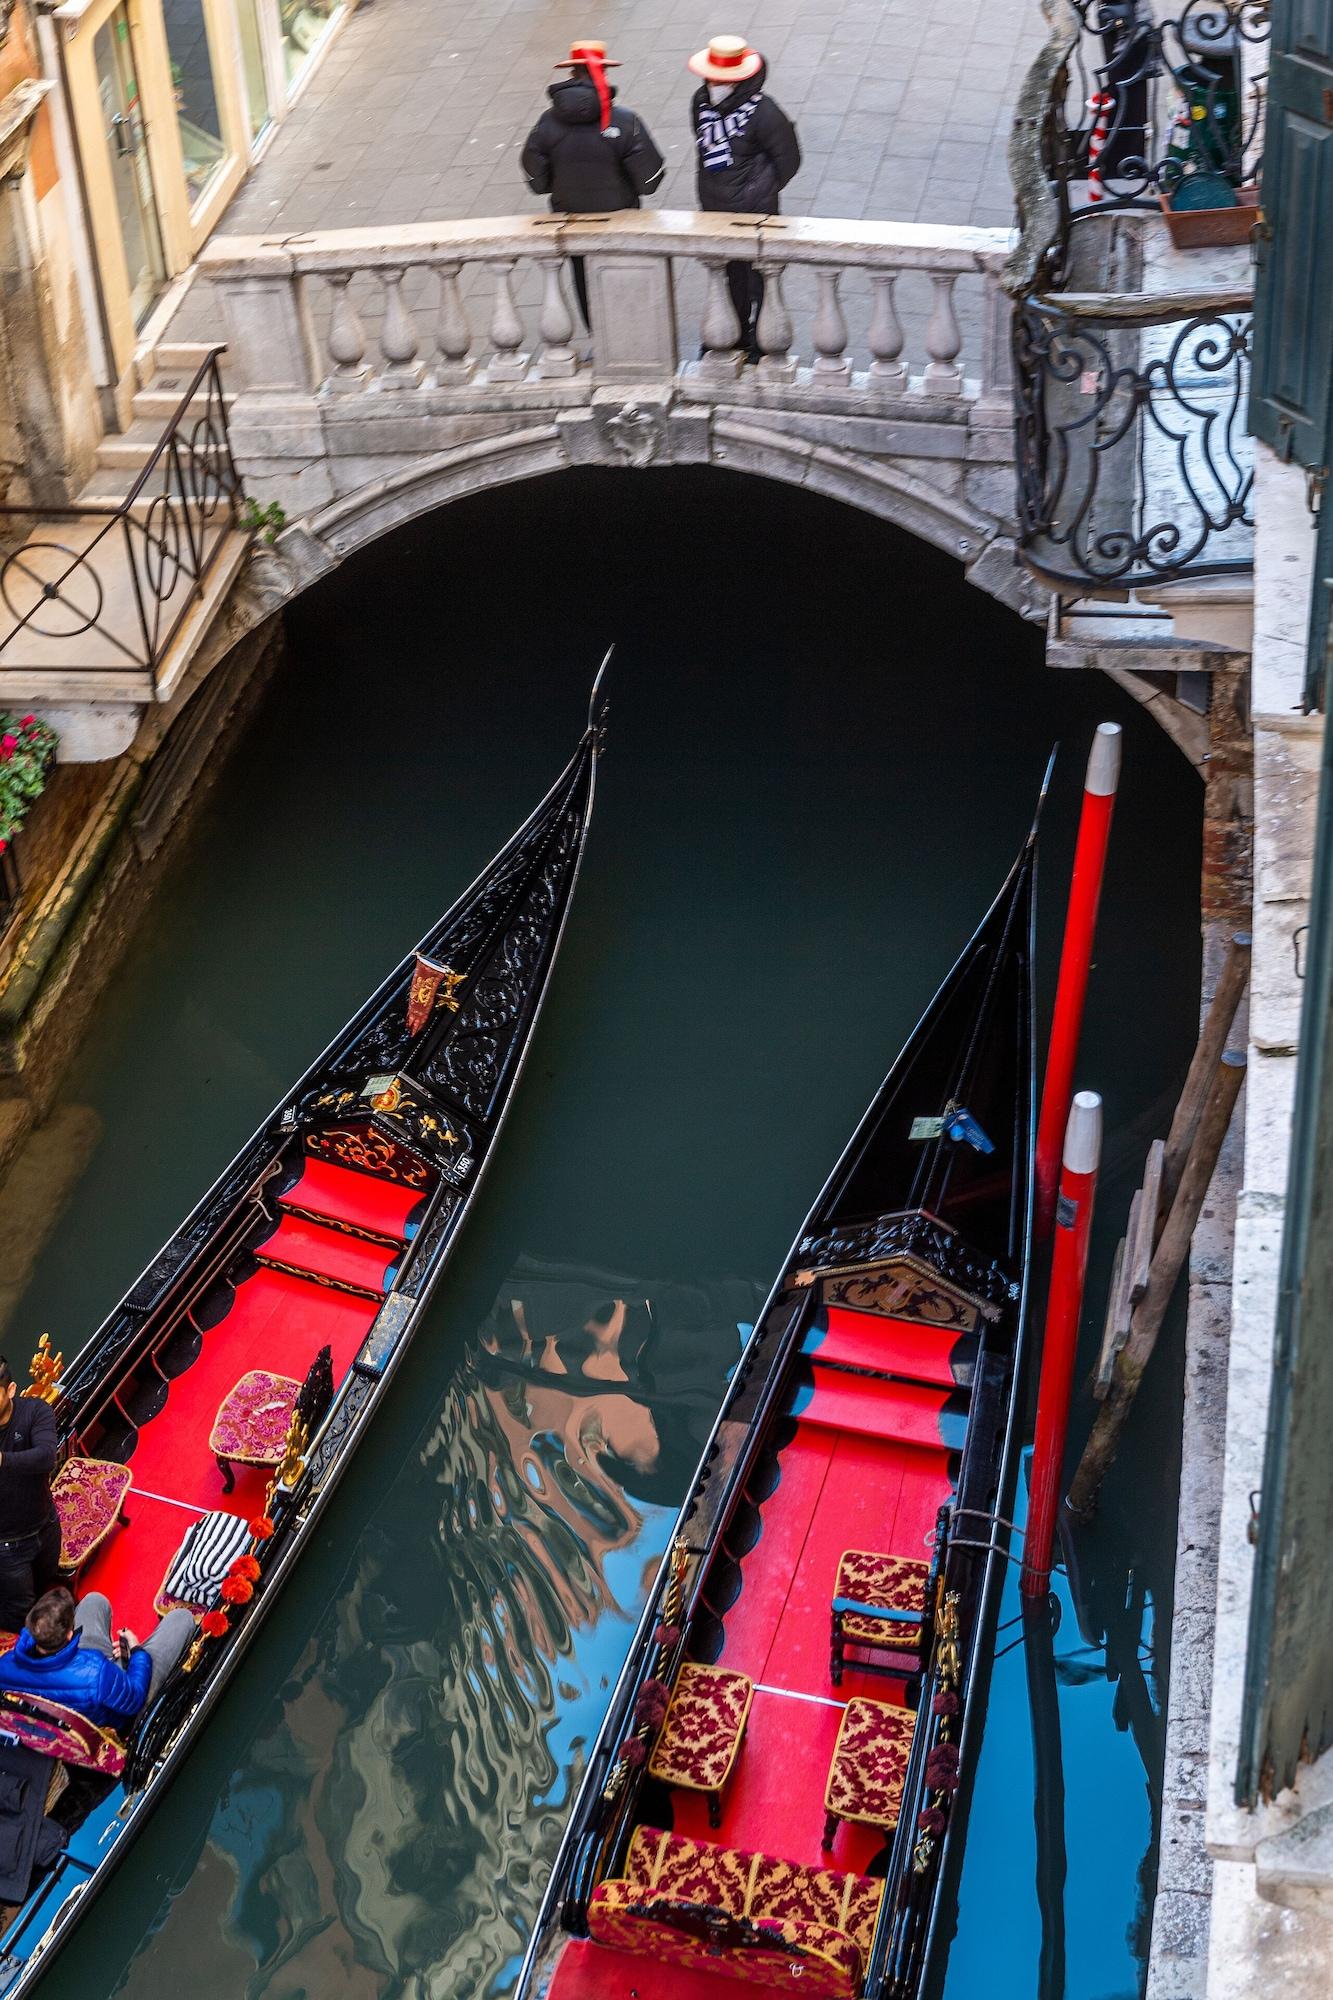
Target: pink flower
{"x":3,"y":845}
{"x":8,"y":745}
{"x":28,"y":722}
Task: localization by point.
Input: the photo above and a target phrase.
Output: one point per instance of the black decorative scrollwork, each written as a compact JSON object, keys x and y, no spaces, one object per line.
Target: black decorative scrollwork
{"x":1132,"y":460}
{"x":909,"y":1234}
{"x":1148,"y":101}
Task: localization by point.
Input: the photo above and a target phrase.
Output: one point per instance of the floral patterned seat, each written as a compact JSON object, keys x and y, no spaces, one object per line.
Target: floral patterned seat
{"x":756,"y":1918}
{"x":865,"y":1780}
{"x":56,"y":1731}
{"x":89,"y":1496}
{"x":879,"y":1602}
{"x":702,"y":1731}
{"x":252,"y":1422}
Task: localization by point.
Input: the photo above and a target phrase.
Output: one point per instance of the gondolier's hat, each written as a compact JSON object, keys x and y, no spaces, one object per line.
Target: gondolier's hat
{"x":727,"y":59}
{"x":592,"y":56}
{"x":581,"y":54}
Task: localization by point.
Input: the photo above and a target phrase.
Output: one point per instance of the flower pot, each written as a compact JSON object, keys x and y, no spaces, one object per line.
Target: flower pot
{"x":1204,"y":228}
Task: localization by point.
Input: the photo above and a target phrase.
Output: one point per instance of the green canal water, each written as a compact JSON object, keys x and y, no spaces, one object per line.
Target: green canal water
{"x":824,"y":751}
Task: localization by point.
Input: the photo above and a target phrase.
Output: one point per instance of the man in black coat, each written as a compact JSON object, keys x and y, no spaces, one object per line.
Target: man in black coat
{"x":589,"y":159}
{"x":748,"y":151}
{"x":29,"y":1529}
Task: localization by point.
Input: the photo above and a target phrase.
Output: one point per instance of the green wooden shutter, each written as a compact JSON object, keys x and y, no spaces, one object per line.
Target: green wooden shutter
{"x":1293,"y":333}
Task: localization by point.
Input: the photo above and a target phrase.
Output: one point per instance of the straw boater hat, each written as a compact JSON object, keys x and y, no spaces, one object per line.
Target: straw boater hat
{"x":727,"y":59}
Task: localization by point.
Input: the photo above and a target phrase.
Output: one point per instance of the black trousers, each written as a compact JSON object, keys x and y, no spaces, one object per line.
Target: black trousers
{"x":29,"y":1567}
{"x":745,"y":282}
{"x":580,"y":271}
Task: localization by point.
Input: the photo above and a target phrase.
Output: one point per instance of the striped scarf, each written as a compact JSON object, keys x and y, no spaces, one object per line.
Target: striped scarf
{"x":716,"y":133}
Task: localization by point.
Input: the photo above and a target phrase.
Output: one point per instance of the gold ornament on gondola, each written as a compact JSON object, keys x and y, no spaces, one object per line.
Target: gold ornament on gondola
{"x":46,"y":1370}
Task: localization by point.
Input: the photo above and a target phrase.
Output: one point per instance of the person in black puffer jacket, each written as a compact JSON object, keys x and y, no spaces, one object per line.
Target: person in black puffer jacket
{"x":748,"y":151}
{"x":590,"y":160}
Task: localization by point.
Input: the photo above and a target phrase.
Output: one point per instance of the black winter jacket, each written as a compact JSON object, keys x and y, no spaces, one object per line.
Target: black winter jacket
{"x":584,"y":170}
{"x":765,"y":156}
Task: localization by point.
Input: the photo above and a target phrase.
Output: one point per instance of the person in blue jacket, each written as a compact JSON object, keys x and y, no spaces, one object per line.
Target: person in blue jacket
{"x":66,"y":1652}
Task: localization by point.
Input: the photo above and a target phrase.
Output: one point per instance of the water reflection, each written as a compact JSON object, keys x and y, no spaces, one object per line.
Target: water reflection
{"x":394,"y":1822}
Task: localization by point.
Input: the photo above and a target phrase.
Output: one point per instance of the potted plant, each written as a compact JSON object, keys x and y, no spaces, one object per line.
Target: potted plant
{"x":27,"y":747}
{"x":1203,"y":209}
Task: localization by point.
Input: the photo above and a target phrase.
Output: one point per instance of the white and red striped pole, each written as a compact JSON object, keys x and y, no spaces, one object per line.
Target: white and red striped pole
{"x":1100,"y":104}
{"x":1085,"y":888}
{"x":1064,"y":1310}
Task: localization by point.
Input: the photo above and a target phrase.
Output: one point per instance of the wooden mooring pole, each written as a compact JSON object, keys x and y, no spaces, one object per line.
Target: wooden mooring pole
{"x":1212,"y":1040}
{"x":1167,"y":1265}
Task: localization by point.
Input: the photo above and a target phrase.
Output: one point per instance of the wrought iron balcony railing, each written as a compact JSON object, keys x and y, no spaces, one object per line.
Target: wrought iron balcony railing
{"x":106,"y":587}
{"x":1131,"y":380}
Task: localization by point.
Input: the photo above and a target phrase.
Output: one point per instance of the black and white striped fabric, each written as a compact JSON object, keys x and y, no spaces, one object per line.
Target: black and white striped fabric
{"x":204,"y":1557}
{"x":716,"y":132}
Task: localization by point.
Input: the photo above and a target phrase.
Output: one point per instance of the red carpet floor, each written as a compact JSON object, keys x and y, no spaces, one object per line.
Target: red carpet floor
{"x":876,"y":1485}
{"x":278,"y":1322}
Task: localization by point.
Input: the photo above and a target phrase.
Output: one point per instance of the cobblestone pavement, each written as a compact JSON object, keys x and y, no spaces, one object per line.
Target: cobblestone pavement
{"x":418,"y":111}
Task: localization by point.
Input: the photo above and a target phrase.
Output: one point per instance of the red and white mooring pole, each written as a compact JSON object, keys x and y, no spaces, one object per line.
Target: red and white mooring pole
{"x":1085,"y":888}
{"x":1064,"y":1310}
{"x":1100,"y":104}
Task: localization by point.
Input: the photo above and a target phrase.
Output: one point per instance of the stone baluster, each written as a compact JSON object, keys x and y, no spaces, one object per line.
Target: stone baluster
{"x":453,"y":335}
{"x":997,"y":333}
{"x":347,"y":338}
{"x":506,"y":364}
{"x":720,"y":331}
{"x":555,"y":324}
{"x":398,"y":337}
{"x":773,"y":329}
{"x":944,"y":340}
{"x":833,"y":369}
{"x":887,"y":369}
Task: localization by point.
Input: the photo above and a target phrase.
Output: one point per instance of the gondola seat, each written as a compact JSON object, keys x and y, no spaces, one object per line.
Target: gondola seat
{"x":56,"y":1731}
{"x":869,"y":1766}
{"x":755,"y":1917}
{"x":252,"y":1422}
{"x":702,"y":1732}
{"x":89,"y":1496}
{"x":879,"y":1603}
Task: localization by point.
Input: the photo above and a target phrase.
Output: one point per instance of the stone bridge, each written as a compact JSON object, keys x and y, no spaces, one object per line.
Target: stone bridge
{"x":378,"y":374}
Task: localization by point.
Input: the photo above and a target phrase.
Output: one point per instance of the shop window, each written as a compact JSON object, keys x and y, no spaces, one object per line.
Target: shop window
{"x":196,"y":93}
{"x":258,"y":111}
{"x":304,"y":24}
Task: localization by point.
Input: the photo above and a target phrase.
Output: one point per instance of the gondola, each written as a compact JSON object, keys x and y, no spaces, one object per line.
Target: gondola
{"x":205,"y":1425}
{"x":776,"y":1794}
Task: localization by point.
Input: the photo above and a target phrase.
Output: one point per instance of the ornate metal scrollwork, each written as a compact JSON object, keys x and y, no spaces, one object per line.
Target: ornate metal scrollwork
{"x":1132,"y":466}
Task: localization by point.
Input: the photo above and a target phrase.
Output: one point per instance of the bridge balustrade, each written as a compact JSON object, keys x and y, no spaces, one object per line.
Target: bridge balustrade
{"x":890,"y":310}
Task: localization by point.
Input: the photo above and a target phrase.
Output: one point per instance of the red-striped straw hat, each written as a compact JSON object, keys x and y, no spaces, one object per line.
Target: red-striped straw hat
{"x":727,"y":59}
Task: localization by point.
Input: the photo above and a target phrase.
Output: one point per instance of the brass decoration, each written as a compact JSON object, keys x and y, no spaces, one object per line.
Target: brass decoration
{"x":192,"y":1658}
{"x":46,"y":1370}
{"x":388,"y":1099}
{"x":292,"y":1463}
{"x":948,"y":1669}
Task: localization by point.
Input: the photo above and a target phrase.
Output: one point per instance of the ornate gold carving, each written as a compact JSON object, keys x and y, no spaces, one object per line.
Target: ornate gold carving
{"x":46,"y":1370}
{"x":191,"y":1660}
{"x":292,"y":1463}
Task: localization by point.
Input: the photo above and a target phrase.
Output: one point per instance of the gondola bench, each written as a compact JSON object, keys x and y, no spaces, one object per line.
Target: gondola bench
{"x":754,"y":1917}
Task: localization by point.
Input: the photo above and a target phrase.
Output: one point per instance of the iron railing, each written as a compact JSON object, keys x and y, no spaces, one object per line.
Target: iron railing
{"x":1131,"y":448}
{"x":1133,"y":462}
{"x":106,"y":587}
{"x":1149,"y":103}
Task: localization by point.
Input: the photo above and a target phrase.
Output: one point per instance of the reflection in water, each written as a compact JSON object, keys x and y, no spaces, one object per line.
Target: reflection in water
{"x":396,"y":1822}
